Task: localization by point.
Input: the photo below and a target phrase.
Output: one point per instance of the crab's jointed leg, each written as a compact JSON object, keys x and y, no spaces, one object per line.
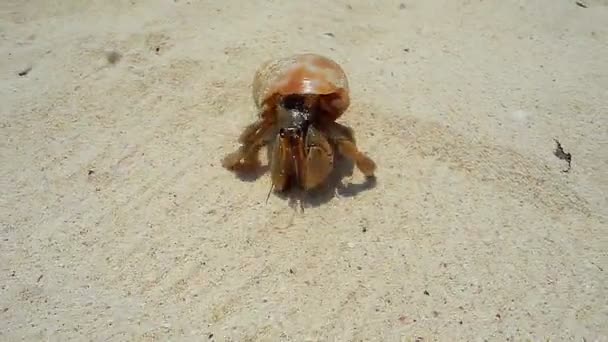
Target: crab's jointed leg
{"x":343,"y":137}
{"x":319,"y":160}
{"x":281,"y":163}
{"x":252,"y":139}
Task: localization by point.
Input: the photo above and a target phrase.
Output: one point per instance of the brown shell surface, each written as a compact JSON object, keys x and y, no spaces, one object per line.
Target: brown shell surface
{"x":302,"y":74}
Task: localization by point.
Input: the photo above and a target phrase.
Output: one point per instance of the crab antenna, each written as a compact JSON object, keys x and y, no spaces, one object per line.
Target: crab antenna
{"x":301,"y":205}
{"x":269,"y":191}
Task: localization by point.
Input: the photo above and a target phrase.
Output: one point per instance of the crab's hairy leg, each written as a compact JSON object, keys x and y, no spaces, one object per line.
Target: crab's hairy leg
{"x":343,"y":137}
{"x":250,"y":132}
{"x":252,"y":139}
{"x":280,"y":163}
{"x":319,"y":160}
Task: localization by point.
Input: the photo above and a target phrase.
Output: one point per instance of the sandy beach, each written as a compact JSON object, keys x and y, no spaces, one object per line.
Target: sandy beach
{"x":118,"y":222}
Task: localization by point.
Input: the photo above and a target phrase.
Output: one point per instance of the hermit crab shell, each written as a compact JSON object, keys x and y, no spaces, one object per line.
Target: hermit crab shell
{"x":303,"y":74}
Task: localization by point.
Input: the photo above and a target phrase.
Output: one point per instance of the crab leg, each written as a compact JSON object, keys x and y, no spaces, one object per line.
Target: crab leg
{"x":281,"y":163}
{"x":344,"y":139}
{"x":252,"y":140}
{"x":318,"y":162}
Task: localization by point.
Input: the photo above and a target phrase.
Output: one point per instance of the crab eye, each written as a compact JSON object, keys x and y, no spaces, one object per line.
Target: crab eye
{"x":282,"y":132}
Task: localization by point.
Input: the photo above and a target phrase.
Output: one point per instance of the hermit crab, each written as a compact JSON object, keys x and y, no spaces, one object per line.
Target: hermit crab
{"x":299,"y":98}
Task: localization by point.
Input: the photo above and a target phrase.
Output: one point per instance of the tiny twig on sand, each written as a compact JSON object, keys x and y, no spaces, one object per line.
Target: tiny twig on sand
{"x":561,"y":154}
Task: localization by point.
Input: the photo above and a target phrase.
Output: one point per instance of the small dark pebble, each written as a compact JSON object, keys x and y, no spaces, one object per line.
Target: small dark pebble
{"x":5,"y":309}
{"x":329,"y":34}
{"x":157,"y":49}
{"x":498,"y":316}
{"x":292,"y":271}
{"x":40,"y":278}
{"x":210,"y":336}
{"x":435,"y":313}
{"x":25,"y":71}
{"x":406,"y":50}
{"x":364,"y":229}
{"x":427,"y":293}
{"x":13,"y":274}
{"x":113,"y":57}
{"x":359,"y":268}
{"x":581,"y":4}
{"x":91,"y":172}
{"x":460,"y":322}
{"x":402,"y":6}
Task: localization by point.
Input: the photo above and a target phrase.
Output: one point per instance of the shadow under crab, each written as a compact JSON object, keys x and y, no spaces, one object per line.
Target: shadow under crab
{"x":334,"y":186}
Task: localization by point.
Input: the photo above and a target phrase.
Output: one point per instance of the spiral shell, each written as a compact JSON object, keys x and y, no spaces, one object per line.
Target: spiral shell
{"x":307,"y":73}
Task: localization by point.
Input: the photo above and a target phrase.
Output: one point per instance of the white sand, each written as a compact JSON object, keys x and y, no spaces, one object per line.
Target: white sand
{"x":118,"y":222}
